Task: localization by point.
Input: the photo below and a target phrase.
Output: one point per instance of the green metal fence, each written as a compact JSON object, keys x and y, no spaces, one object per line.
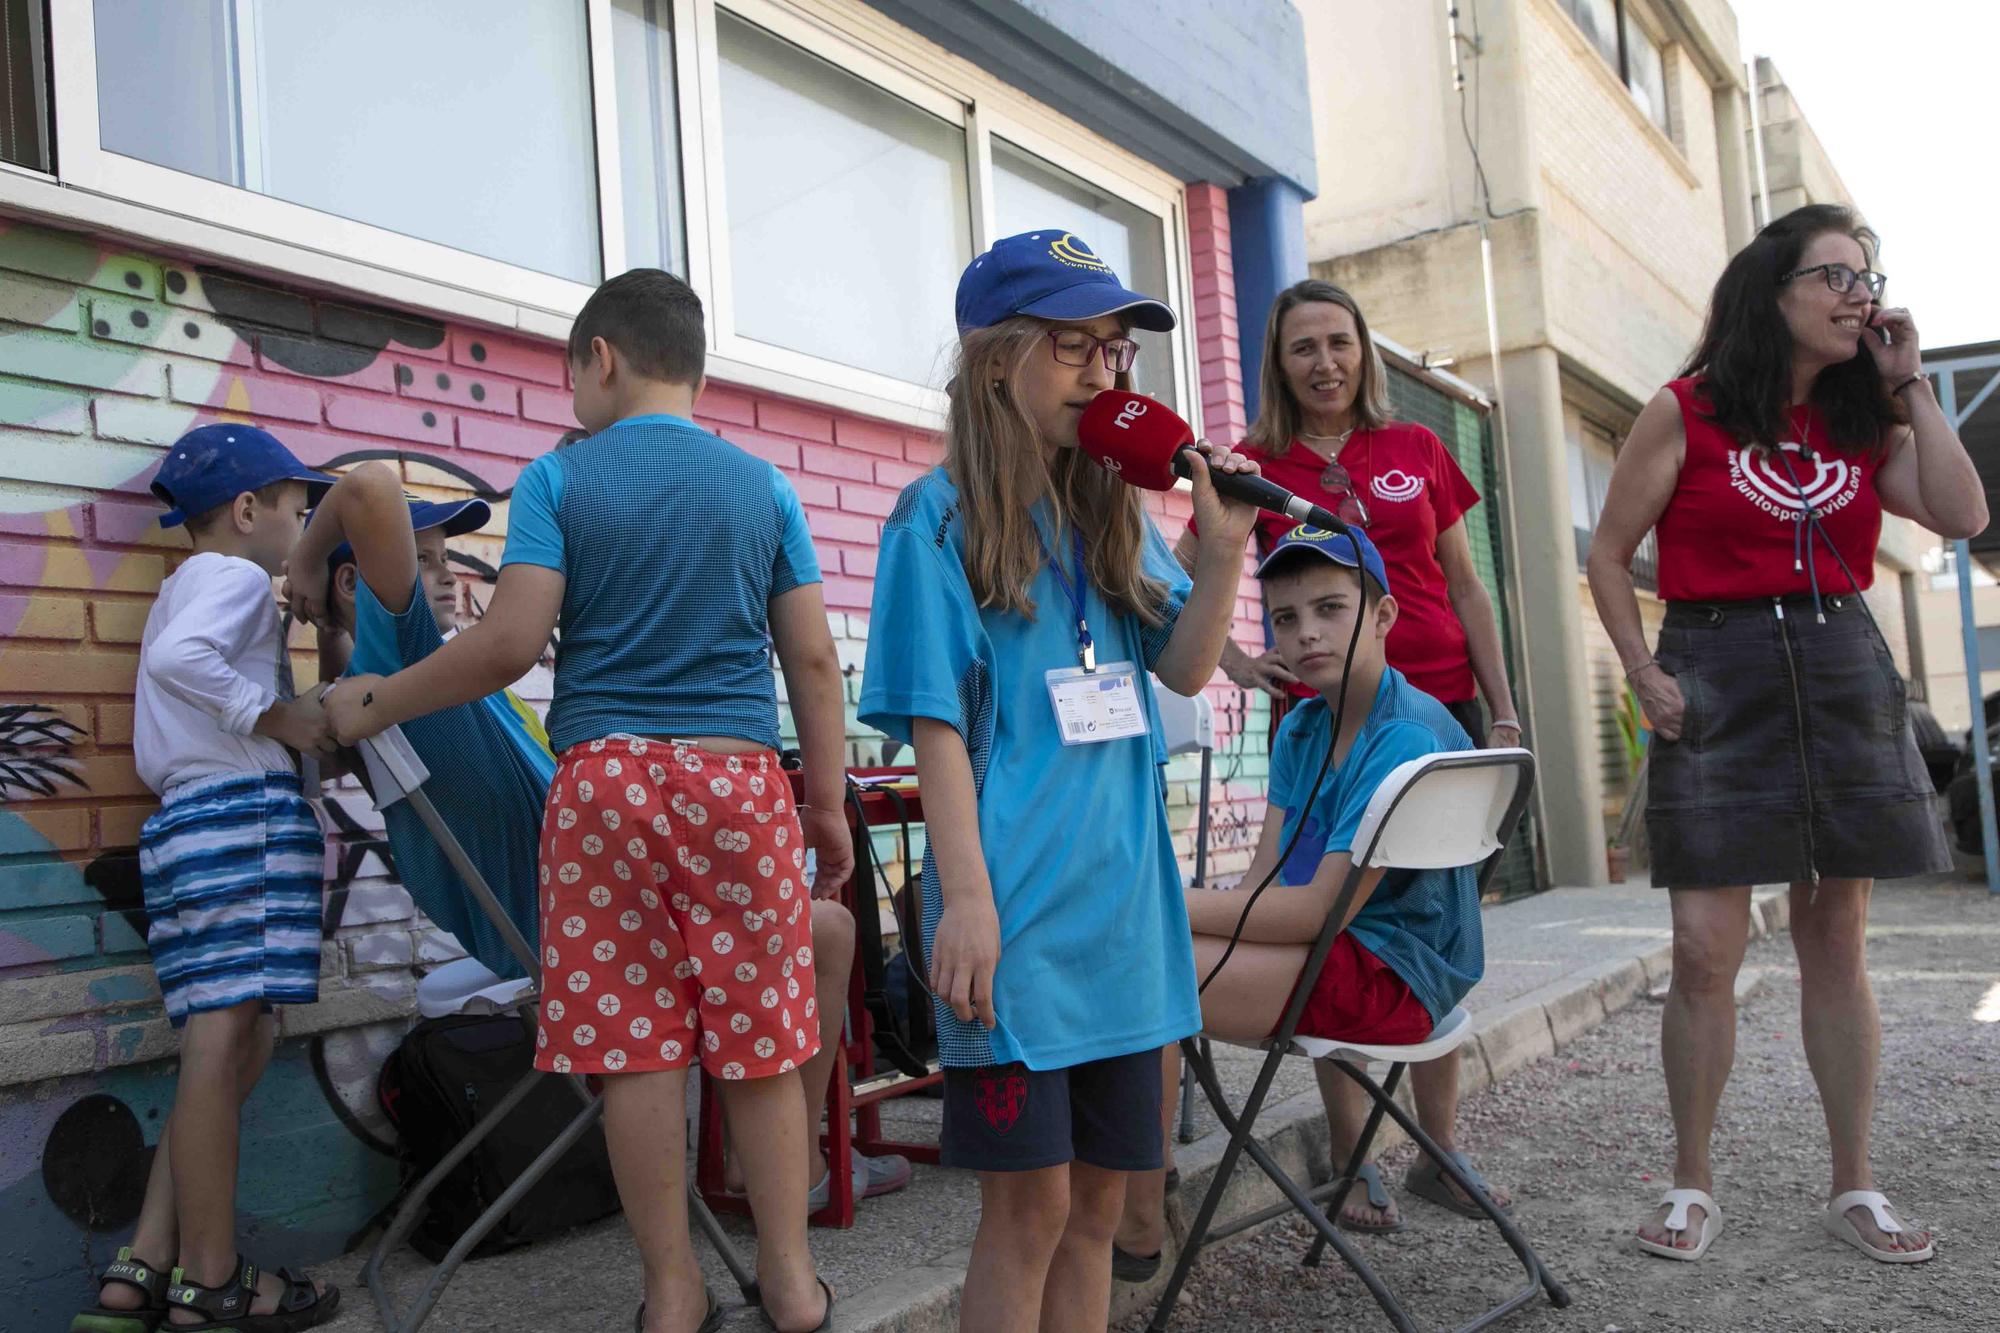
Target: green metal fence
{"x":1466,"y":429}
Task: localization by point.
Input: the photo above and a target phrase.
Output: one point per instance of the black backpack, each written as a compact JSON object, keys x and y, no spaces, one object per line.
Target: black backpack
{"x":438,"y":1083}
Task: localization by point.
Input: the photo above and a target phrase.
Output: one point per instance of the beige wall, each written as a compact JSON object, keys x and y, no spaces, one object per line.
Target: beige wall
{"x":1617,"y":232}
{"x":1379,"y":87}
{"x":1795,"y":162}
{"x":1944,"y":651}
{"x":1633,"y":223}
{"x":1427,"y":294}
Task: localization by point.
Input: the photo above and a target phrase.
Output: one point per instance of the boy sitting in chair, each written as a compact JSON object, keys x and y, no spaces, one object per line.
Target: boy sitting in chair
{"x":1411,"y":947}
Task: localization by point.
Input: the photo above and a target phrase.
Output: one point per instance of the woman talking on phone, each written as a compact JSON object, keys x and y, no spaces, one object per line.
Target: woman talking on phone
{"x":1783,"y":748}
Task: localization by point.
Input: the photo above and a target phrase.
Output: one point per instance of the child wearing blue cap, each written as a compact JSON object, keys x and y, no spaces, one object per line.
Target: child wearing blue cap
{"x":231,"y":865}
{"x":373,"y":572}
{"x":1412,"y":947}
{"x":1021,"y":598}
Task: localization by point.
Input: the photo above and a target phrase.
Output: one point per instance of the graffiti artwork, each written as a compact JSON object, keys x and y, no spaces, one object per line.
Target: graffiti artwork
{"x":106,"y":358}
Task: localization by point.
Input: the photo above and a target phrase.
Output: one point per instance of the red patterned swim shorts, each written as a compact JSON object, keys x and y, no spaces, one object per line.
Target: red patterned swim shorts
{"x":676,"y":919}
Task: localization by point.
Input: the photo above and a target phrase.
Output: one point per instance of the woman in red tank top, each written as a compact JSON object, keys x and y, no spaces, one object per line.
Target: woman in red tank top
{"x":1782,"y":744}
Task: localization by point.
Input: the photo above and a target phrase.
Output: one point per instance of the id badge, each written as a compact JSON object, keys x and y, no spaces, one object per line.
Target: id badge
{"x":1096,"y":706}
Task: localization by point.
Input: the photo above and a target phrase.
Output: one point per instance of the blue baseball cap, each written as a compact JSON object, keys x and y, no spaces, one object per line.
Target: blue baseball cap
{"x":1351,"y":548}
{"x":456,"y":517}
{"x":1051,"y":275}
{"x":212,"y":465}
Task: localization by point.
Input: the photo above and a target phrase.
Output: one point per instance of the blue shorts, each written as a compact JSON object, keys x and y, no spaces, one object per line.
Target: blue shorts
{"x":1104,"y":1114}
{"x":232,"y":868}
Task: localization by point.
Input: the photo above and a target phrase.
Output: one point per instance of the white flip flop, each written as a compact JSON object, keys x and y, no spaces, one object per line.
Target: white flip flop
{"x":1678,"y":1202}
{"x":1840,"y":1226}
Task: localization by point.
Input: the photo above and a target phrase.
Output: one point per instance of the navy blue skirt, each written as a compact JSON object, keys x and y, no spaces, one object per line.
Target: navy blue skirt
{"x":1796,"y":759}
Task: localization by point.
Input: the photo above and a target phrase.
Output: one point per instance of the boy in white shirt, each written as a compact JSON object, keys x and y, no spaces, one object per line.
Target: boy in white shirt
{"x":231,"y":866}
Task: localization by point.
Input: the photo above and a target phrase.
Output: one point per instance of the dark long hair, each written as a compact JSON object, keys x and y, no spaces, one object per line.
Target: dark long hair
{"x":1745,"y":353}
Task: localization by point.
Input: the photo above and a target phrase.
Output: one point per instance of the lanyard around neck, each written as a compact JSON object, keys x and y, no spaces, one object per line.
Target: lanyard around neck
{"x":1086,"y":648}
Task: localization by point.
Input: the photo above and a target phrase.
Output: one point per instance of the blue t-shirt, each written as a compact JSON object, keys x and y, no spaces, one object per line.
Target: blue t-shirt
{"x":671,"y":543}
{"x":1095,"y":955}
{"x":1423,"y":923}
{"x":490,"y":773}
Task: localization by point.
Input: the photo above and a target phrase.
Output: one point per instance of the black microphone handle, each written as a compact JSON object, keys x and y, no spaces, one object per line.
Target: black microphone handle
{"x":1263,"y":493}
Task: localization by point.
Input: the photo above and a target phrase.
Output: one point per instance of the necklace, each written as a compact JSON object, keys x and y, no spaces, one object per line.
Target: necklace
{"x":1338,"y":440}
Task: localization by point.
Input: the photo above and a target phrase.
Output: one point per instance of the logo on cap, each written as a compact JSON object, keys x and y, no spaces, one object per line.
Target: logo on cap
{"x":1069,"y":249}
{"x":1306,"y":532}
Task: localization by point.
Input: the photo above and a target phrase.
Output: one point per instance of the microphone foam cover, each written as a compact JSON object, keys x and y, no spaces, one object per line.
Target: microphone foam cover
{"x":1134,"y":438}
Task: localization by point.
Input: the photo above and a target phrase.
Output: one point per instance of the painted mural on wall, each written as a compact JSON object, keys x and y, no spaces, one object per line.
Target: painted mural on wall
{"x":106,"y":357}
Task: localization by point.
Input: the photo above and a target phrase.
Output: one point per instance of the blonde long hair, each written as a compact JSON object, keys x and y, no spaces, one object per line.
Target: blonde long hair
{"x":1276,"y":428}
{"x":997,"y":460}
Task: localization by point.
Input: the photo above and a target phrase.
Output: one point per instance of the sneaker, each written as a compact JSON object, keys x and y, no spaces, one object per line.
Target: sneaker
{"x":872,"y":1176}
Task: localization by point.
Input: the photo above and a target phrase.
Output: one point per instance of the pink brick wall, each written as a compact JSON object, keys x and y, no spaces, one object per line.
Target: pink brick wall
{"x":106,"y":357}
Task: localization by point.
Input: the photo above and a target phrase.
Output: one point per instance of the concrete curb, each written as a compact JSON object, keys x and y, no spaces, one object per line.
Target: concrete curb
{"x":925,"y":1299}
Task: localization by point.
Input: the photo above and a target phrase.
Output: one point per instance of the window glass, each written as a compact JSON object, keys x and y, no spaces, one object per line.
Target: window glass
{"x":1648,"y":71}
{"x":1599,"y":21}
{"x":24,"y":86}
{"x":642,"y":43}
{"x":1029,"y":193}
{"x":398,"y":115}
{"x":848,"y":210}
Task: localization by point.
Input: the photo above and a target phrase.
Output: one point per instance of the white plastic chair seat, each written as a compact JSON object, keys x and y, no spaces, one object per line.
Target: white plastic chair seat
{"x":467,"y":986}
{"x":1445,"y":1038}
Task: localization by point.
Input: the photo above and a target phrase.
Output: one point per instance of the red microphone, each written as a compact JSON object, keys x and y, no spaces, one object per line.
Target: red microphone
{"x":1144,"y":443}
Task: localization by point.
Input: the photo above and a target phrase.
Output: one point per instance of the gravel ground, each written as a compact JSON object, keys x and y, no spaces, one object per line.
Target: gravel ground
{"x":1582,"y":1139}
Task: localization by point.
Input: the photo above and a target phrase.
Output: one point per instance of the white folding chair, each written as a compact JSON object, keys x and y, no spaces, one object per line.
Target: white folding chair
{"x":1437,"y":812}
{"x":393,"y":773}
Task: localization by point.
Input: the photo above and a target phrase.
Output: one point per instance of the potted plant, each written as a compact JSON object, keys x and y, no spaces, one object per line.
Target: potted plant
{"x":1634,"y":736}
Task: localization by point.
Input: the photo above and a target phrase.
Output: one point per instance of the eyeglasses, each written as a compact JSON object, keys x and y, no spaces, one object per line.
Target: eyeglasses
{"x":1074,"y":347}
{"x":1349,"y":507}
{"x":1841,"y":278}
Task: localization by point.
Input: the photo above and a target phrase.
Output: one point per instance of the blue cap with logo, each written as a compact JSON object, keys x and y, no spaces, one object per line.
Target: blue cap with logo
{"x":1050,"y":274}
{"x":212,"y":465}
{"x":456,"y":517}
{"x":1350,"y":548}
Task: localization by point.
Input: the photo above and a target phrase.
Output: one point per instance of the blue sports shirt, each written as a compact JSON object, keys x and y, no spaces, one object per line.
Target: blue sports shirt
{"x":1095,"y":955}
{"x":671,"y":543}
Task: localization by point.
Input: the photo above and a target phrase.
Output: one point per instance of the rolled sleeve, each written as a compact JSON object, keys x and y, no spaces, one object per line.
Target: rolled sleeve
{"x":924,"y":639}
{"x":534,"y":536}
{"x":797,"y":563}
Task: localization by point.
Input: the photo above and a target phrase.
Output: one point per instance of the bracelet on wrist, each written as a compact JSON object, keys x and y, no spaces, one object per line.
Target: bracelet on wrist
{"x":1906,"y":383}
{"x":1633,"y":671}
{"x":1507,"y":722}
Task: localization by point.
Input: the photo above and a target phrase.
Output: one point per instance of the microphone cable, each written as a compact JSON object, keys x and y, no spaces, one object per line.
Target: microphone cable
{"x":1319,"y":779}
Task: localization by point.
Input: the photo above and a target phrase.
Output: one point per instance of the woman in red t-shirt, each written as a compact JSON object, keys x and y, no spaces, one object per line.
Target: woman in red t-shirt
{"x":1323,"y":431}
{"x":1783,"y":751}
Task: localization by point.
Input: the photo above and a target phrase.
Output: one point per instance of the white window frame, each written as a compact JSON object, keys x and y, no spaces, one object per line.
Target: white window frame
{"x":1168,"y":209}
{"x":160,"y":207}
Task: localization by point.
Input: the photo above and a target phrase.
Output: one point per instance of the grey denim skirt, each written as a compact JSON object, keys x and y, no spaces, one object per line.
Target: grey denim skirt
{"x":1796,"y":760}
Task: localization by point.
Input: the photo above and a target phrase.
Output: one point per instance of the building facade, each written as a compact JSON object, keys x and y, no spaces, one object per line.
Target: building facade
{"x":368,"y":231}
{"x":1588,"y":162}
